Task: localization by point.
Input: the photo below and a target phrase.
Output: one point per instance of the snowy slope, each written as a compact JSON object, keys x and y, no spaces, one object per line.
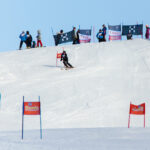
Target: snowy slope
{"x":78,"y":139}
{"x":96,"y":93}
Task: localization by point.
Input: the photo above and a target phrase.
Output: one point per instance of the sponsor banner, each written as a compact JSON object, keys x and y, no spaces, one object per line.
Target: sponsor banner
{"x":31,"y":108}
{"x":113,"y":38}
{"x":114,"y":32}
{"x":84,"y":38}
{"x":137,"y":109}
{"x":114,"y":27}
{"x":85,"y":31}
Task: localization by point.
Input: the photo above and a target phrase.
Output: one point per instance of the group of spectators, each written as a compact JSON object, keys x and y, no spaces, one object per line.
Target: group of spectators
{"x":27,"y":39}
{"x":101,"y":35}
{"x":75,"y":36}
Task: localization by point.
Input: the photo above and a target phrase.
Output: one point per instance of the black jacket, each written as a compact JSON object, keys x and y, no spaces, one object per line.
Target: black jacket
{"x":29,"y":40}
{"x":64,"y":57}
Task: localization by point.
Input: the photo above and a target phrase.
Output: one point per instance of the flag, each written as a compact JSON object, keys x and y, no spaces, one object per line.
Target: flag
{"x":63,"y":38}
{"x":133,"y":29}
{"x":137,"y":109}
{"x":31,"y":108}
{"x":114,"y":32}
{"x":85,"y":36}
{"x":58,"y":55}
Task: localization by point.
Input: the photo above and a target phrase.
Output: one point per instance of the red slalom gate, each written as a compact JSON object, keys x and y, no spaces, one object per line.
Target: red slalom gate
{"x":136,"y":110}
{"x":58,"y":56}
{"x":31,"y":108}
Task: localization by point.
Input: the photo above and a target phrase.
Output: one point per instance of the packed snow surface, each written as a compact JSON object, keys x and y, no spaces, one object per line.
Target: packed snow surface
{"x":94,"y":97}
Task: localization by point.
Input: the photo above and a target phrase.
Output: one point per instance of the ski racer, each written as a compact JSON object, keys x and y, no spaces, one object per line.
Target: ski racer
{"x":64,"y":58}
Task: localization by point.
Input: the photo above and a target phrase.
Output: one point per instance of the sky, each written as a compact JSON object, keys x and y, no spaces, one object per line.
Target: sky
{"x":45,"y":15}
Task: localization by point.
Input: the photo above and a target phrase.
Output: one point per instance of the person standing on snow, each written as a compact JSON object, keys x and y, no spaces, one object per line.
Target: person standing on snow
{"x":28,"y":39}
{"x":58,"y":37}
{"x":64,"y":58}
{"x":74,"y":36}
{"x":39,"y":39}
{"x":147,"y":32}
{"x":129,"y":36}
{"x":100,"y":36}
{"x":23,"y":39}
{"x":104,"y":29}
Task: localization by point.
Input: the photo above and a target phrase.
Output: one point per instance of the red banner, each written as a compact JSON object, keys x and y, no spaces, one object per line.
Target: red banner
{"x":31,"y":108}
{"x":58,"y":55}
{"x":137,"y":109}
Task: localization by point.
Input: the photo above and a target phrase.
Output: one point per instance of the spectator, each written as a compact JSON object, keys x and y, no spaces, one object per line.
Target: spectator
{"x":147,"y":32}
{"x":39,"y":39}
{"x":28,"y":39}
{"x":74,"y":36}
{"x":100,"y":36}
{"x":104,"y":29}
{"x":129,"y":35}
{"x":58,"y":37}
{"x":23,"y":39}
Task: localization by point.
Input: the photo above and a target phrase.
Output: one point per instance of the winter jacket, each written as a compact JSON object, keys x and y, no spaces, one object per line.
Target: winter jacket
{"x":38,"y":36}
{"x":28,"y":37}
{"x":104,"y":30}
{"x":99,"y":35}
{"x":129,"y":36}
{"x":147,"y":33}
{"x":64,"y":57}
{"x":74,"y":35}
{"x":23,"y":37}
{"x":28,"y":40}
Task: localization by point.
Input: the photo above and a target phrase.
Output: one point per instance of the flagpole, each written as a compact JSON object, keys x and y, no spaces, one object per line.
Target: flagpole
{"x":137,"y":25}
{"x":121,"y":31}
{"x":144,"y":120}
{"x":40,"y":120}
{"x":93,"y":34}
{"x":129,"y":117}
{"x":53,"y":34}
{"x":129,"y":122}
{"x":144,"y":115}
{"x":56,"y":58}
{"x":23,"y":118}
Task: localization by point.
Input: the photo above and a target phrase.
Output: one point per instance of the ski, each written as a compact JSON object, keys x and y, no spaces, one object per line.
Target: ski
{"x":66,"y":68}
